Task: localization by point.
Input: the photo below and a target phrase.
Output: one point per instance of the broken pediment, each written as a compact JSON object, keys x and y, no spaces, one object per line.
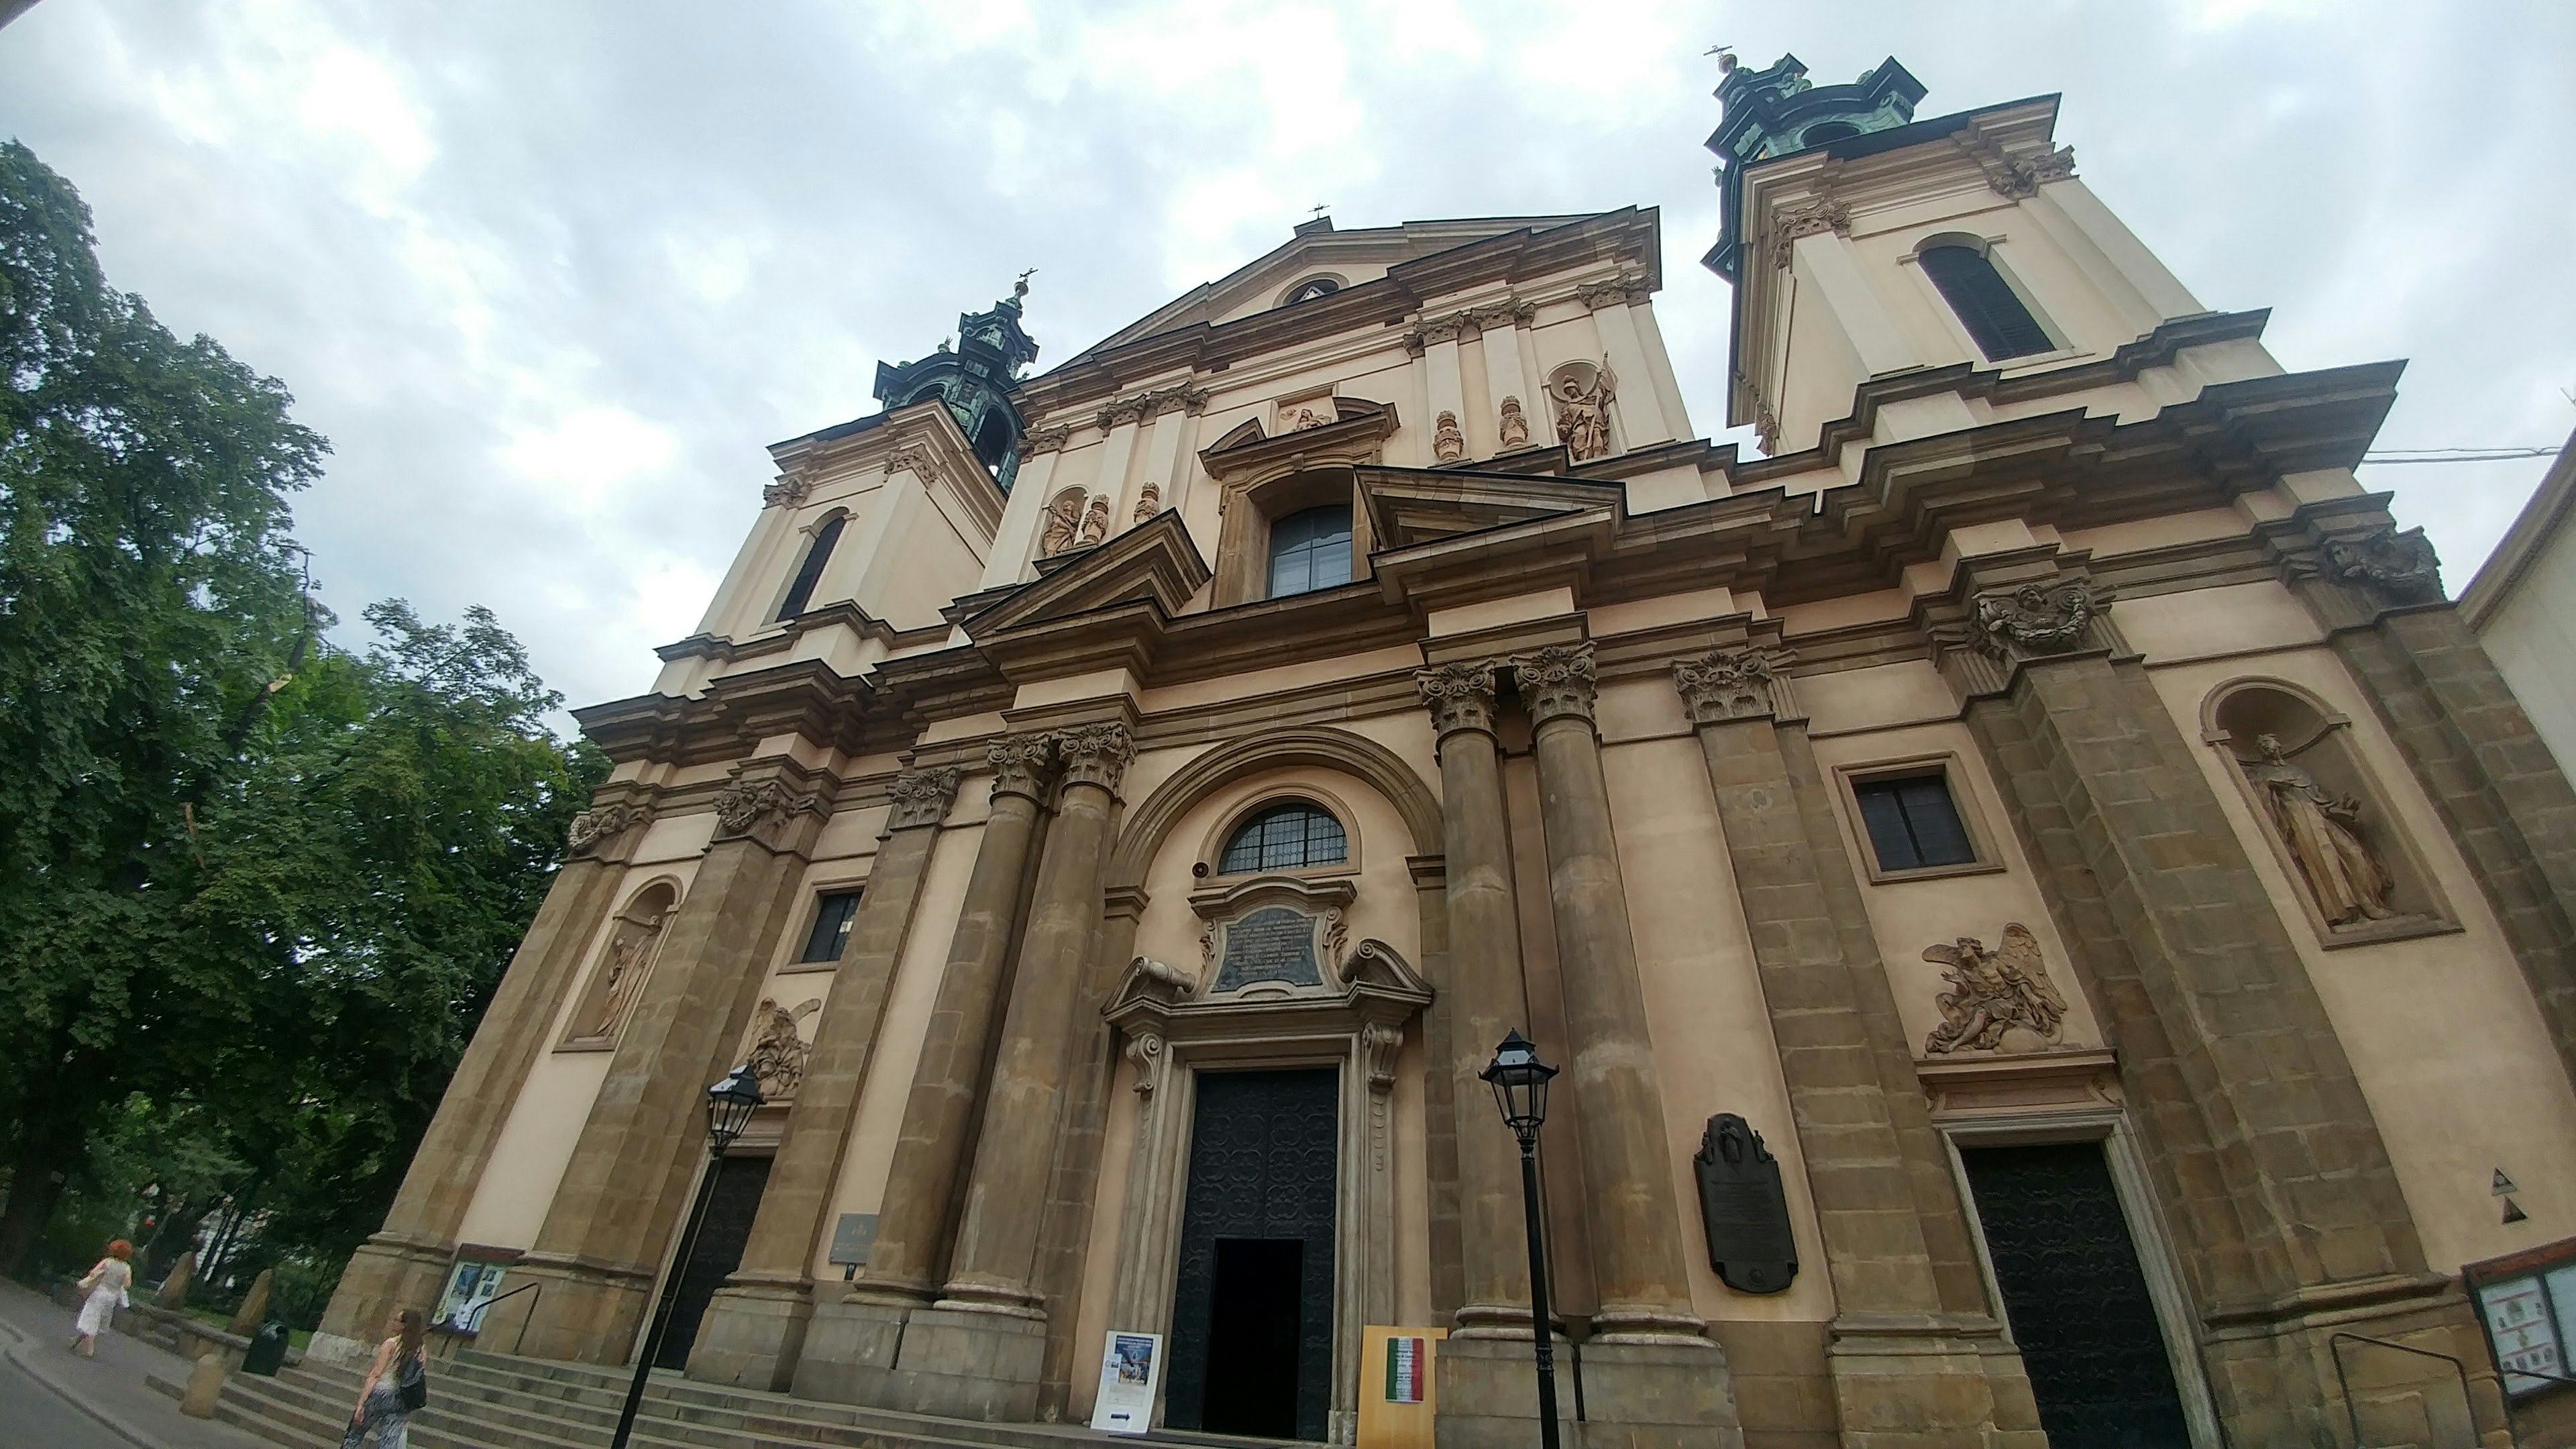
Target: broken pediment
{"x":1155,"y":562}
{"x":1355,"y":433}
{"x":1410,"y":506}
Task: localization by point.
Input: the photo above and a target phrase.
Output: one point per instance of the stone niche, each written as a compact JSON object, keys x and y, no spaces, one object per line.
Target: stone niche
{"x":1278,"y":985}
{"x":2323,"y":814}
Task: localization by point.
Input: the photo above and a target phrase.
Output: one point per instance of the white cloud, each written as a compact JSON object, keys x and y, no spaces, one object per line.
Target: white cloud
{"x":587,"y":453}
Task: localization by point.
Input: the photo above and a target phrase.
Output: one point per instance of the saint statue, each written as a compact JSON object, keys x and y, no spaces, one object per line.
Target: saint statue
{"x":2346,"y":880}
{"x":1583,"y":414}
{"x":628,"y":954}
{"x":1064,"y":520}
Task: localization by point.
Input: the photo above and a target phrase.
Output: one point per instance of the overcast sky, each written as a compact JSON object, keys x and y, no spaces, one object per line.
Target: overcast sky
{"x":551,"y":275}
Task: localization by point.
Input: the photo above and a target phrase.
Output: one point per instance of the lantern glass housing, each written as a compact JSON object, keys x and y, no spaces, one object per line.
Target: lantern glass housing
{"x":1519,"y":1080}
{"x":730,"y":1104}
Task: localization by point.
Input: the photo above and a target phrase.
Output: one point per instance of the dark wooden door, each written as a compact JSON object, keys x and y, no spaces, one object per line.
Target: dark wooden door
{"x":2078,"y":1303}
{"x":1252,"y":1311}
{"x":718,"y":1251}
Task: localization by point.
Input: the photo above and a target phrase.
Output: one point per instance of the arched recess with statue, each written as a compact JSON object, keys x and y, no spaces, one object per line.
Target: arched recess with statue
{"x":1268,"y":1170}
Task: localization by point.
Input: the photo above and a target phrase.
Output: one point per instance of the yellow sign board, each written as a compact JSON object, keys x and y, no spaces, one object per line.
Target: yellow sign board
{"x":1399,"y":1386}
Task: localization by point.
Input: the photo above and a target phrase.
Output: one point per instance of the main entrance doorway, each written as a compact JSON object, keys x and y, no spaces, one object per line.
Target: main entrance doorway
{"x":731,"y":1205}
{"x":1252,"y":1304}
{"x":2069,"y":1272}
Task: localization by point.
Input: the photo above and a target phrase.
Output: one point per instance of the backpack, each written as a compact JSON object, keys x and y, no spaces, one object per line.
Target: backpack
{"x":411,"y":1384}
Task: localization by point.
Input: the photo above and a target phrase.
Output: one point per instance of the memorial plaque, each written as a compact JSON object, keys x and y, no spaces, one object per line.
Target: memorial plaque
{"x":1270,"y":944}
{"x":852,"y":1237}
{"x":1744,"y":1208}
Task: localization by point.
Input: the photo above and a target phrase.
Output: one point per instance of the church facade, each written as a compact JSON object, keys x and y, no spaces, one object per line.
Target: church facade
{"x":2050,"y":926}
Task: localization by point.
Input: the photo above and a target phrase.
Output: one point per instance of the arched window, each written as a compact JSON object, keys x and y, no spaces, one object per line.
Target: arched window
{"x":1309,"y":290}
{"x":1310,"y":550}
{"x":1285,"y":837}
{"x":1986,"y":303}
{"x":810,"y":573}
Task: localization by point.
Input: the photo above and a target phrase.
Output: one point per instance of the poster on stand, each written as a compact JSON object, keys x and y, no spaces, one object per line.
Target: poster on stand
{"x":1131,"y":1369}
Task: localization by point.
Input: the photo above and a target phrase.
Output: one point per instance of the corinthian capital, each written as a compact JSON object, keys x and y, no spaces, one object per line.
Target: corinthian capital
{"x":760,"y":809}
{"x":1022,"y":765}
{"x":1460,"y":695}
{"x":1095,"y":754}
{"x":921,"y":797}
{"x":1556,"y":680}
{"x":1726,"y":684}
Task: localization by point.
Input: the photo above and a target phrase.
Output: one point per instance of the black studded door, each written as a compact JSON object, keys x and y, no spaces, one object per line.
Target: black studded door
{"x":1251,"y":1348}
{"x":2078,"y":1303}
{"x":731,"y":1205}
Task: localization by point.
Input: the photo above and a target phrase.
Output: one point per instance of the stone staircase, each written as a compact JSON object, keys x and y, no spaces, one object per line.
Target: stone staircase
{"x":481,"y":1400}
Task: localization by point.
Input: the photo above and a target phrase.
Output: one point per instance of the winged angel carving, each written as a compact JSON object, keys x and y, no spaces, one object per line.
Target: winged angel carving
{"x":1999,"y":1000}
{"x":779,"y":1049}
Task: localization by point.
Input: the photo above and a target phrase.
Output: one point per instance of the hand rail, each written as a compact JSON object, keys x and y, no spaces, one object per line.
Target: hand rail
{"x":2352,"y":1415}
{"x":486,"y":1307}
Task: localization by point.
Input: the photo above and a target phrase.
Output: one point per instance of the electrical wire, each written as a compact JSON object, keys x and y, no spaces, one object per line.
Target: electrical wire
{"x":2456,"y":455}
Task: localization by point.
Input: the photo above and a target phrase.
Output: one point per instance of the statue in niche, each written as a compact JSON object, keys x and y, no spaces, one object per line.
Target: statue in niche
{"x":779,"y":1049}
{"x":629,"y":952}
{"x":1448,"y":444}
{"x":2347,"y":881}
{"x":1513,"y":427}
{"x":1064,"y":520}
{"x":1583,"y":413}
{"x":1999,"y":1000}
{"x":1095,"y":521}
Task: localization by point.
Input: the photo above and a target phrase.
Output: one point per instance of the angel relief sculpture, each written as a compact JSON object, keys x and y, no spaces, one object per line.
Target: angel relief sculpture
{"x":2348,"y":882}
{"x":1999,"y":1000}
{"x":778,"y":1046}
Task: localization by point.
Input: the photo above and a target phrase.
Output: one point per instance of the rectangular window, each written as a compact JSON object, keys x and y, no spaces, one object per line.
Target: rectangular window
{"x":1913,"y":823}
{"x":832,"y":917}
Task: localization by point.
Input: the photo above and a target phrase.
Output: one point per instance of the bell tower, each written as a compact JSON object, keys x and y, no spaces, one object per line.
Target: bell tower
{"x":978,"y":382}
{"x":1897,"y":277}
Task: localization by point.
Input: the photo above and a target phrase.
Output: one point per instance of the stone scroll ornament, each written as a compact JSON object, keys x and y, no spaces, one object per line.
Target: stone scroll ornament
{"x":1999,"y":1000}
{"x":756,"y":807}
{"x":2344,"y":877}
{"x":1732,"y":684}
{"x":2401,"y":565}
{"x":1459,"y":695}
{"x":2038,"y":618}
{"x":778,"y":1047}
{"x":1743,"y":1208}
{"x":921,"y":797}
{"x":595,"y":827}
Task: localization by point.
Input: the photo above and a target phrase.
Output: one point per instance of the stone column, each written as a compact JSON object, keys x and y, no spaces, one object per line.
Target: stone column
{"x":851,"y":1345}
{"x":638,"y":1157}
{"x":979,"y":1352}
{"x":756,"y":1323}
{"x":1499,"y":330}
{"x":1641,"y":402}
{"x":1444,"y":385}
{"x":406,"y":1262}
{"x":1913,"y":1347}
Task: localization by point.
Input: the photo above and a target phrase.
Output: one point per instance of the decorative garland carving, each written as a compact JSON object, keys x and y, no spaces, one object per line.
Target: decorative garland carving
{"x":1999,"y":1000}
{"x":599,"y":825}
{"x":1043,"y":440}
{"x":1095,"y":754}
{"x":916,"y":459}
{"x":1022,"y":765}
{"x":1802,"y":219}
{"x":758,"y":808}
{"x":1731,"y":684}
{"x":2037,"y":618}
{"x":1460,"y":695}
{"x":1448,"y":444}
{"x":921,"y":797}
{"x":1554,"y":681}
{"x":790,"y":491}
{"x":1502,"y":315}
{"x":1619,"y":291}
{"x":2402,"y":566}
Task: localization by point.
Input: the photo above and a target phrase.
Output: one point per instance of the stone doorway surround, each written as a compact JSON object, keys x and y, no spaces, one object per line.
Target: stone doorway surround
{"x":1173,"y":1027}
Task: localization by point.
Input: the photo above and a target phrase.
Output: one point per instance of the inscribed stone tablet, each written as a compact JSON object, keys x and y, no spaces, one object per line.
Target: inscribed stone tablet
{"x":1270,"y":944}
{"x":1744,"y":1208}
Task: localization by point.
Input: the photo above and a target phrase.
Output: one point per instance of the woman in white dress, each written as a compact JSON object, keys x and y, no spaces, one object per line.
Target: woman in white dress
{"x":102,"y":1293}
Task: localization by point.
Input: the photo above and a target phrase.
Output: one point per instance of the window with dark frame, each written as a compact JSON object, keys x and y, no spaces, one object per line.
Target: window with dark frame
{"x":1987,"y":305}
{"x":832,"y":916}
{"x":808,"y":574}
{"x":1285,"y":837}
{"x":1913,"y":822}
{"x":1310,"y":550}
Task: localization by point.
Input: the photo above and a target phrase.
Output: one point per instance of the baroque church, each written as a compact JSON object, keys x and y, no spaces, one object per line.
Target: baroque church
{"x":2051,"y":928}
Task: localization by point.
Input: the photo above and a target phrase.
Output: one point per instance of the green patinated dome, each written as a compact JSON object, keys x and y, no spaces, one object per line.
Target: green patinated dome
{"x":1778,"y":111}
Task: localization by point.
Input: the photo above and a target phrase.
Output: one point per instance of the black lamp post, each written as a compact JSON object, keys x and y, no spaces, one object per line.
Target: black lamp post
{"x":730,"y":1104}
{"x":1519,"y":1080}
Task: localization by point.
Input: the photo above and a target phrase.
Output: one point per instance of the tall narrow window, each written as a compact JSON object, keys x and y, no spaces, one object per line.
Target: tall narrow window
{"x":1913,"y":824}
{"x":1284,"y":837}
{"x":810,"y":573}
{"x":1986,"y":303}
{"x":831,"y":934}
{"x":1310,"y":550}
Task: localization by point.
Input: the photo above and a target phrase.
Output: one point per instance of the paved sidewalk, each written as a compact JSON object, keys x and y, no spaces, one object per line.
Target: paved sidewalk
{"x":121,"y":1408}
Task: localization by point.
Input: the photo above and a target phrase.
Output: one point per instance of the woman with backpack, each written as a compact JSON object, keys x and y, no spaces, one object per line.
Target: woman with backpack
{"x":397,"y":1385}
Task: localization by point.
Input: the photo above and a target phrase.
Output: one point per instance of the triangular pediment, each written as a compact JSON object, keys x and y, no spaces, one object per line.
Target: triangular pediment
{"x":1408,"y":506}
{"x":1154,"y":562}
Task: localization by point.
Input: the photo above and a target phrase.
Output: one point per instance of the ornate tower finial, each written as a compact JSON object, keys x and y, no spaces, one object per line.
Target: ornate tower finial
{"x":1776,"y":111}
{"x":977,"y":381}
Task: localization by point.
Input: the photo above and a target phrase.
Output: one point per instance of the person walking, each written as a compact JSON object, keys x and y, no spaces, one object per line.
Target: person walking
{"x":397,"y":1385}
{"x":102,"y":1293}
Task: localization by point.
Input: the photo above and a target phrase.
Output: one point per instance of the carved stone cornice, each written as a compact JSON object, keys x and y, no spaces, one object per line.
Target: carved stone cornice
{"x":790,"y":491}
{"x":1043,"y":440}
{"x":917,"y":459}
{"x":1733,"y":684}
{"x":600,"y":830}
{"x":1459,"y":694}
{"x":921,"y":797}
{"x":1022,"y":765}
{"x":2401,"y":567}
{"x":1095,"y":754}
{"x":1619,"y":291}
{"x":1137,"y":407}
{"x":1556,"y":682}
{"x":1501,"y":315}
{"x":761,"y":810}
{"x":1805,"y":218}
{"x":2011,"y":609}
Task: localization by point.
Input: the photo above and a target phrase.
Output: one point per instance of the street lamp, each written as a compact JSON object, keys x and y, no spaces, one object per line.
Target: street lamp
{"x":1519,"y":1080}
{"x":730,"y":1104}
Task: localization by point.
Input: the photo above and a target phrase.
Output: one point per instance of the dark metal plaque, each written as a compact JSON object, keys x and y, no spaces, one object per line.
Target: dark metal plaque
{"x":1270,"y":944}
{"x":1744,"y":1209}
